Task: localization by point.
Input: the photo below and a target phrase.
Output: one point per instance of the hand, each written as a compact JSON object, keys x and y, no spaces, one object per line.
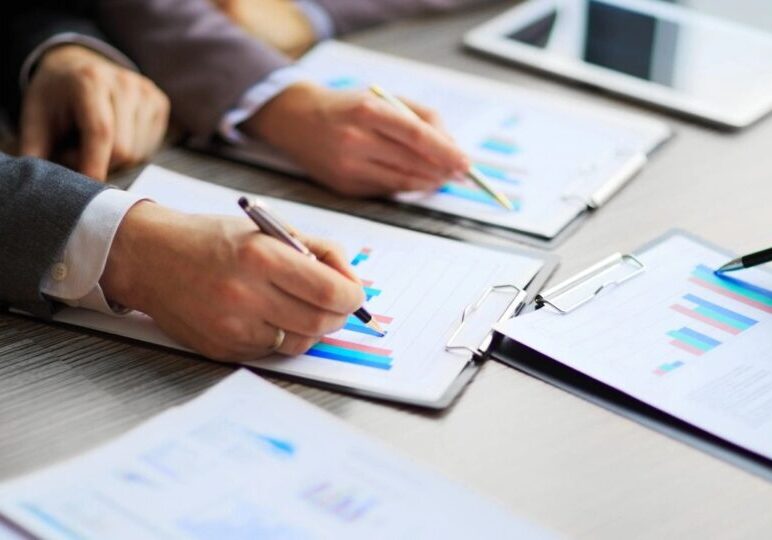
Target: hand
{"x":357,"y":144}
{"x":222,"y":288}
{"x":280,"y":23}
{"x":90,"y":114}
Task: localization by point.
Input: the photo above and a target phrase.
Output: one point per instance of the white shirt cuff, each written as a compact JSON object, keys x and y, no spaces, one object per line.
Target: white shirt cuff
{"x":71,"y":38}
{"x":321,"y":22}
{"x":74,"y":278}
{"x":254,"y":99}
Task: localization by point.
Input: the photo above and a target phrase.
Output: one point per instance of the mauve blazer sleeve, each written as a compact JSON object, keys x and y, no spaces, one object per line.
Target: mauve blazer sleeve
{"x":203,"y":61}
{"x":349,"y":15}
{"x":40,"y":204}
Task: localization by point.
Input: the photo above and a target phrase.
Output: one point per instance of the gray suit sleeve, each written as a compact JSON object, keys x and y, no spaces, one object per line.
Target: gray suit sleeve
{"x":40,"y":204}
{"x":195,"y":54}
{"x":349,"y":15}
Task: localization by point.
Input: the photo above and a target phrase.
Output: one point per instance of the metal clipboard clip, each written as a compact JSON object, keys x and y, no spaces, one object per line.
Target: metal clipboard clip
{"x":616,"y":171}
{"x":471,"y":309}
{"x":583,"y":287}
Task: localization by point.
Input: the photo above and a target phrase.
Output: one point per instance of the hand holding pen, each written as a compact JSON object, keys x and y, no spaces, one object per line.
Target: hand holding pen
{"x":270,"y":224}
{"x":471,"y":172}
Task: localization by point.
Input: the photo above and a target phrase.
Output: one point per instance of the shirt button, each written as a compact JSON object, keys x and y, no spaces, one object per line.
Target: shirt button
{"x":59,"y":272}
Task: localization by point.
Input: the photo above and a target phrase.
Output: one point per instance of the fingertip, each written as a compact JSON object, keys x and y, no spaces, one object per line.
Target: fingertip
{"x":95,"y":172}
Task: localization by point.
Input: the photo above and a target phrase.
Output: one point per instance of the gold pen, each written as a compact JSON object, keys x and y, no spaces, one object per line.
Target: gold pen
{"x":473,"y":174}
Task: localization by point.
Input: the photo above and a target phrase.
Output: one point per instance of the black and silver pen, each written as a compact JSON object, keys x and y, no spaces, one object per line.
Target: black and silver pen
{"x":273,"y":226}
{"x":747,"y":261}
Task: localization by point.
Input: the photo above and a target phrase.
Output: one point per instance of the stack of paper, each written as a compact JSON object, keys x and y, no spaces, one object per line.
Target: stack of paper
{"x":244,"y":461}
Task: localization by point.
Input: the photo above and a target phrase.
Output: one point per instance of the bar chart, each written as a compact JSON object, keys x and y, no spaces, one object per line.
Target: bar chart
{"x":370,"y":291}
{"x":475,"y":194}
{"x":353,"y":353}
{"x":692,"y":341}
{"x":500,"y":173}
{"x":361,"y":257}
{"x":499,"y":145}
{"x":715,"y":316}
{"x":735,"y":289}
{"x":346,"y":504}
{"x":666,"y":368}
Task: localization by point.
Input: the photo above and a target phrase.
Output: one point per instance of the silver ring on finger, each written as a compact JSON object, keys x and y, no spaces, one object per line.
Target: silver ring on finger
{"x":278,"y":341}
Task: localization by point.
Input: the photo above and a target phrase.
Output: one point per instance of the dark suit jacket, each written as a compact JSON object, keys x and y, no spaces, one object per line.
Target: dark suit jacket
{"x":40,"y":204}
{"x":26,"y":24}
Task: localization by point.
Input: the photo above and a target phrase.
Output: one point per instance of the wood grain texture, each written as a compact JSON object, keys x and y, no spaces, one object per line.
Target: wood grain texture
{"x":543,"y":453}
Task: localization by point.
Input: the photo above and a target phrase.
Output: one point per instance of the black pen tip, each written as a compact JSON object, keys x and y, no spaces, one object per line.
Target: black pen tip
{"x":243,"y":202}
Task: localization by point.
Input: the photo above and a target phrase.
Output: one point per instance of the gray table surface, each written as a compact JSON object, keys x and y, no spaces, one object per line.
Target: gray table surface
{"x":543,"y":453}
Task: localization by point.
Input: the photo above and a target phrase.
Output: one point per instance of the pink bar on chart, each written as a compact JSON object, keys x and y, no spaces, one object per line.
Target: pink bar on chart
{"x":686,"y":347}
{"x":356,"y":346}
{"x":730,"y":294}
{"x":707,"y":320}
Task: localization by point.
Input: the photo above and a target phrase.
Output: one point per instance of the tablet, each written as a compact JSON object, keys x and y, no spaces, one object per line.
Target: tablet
{"x":657,"y":52}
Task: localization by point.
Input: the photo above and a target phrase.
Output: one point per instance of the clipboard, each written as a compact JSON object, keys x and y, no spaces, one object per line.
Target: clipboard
{"x":517,"y":299}
{"x":424,"y":326}
{"x":480,"y":352}
{"x":601,"y":150}
{"x":591,"y":195}
{"x":583,"y":288}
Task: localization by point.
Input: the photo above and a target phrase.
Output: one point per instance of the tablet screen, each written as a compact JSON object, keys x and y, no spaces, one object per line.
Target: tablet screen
{"x":650,"y":41}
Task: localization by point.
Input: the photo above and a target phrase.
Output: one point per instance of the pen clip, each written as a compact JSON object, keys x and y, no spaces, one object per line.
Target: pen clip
{"x":598,"y":181}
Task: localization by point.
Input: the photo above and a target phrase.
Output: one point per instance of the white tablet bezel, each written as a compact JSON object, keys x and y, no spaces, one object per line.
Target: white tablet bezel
{"x":491,"y":38}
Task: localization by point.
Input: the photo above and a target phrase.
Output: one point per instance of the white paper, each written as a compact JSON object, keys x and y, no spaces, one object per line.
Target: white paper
{"x":547,"y":154}
{"x":640,"y":338}
{"x":247,"y":460}
{"x":423,"y":282}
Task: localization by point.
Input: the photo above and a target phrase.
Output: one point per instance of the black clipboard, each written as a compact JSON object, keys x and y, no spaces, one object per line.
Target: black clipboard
{"x":534,"y":363}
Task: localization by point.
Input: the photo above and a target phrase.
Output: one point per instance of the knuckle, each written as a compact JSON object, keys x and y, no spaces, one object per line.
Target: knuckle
{"x":126,"y":79}
{"x":89,"y":73}
{"x":365,"y":109}
{"x":415,"y":133}
{"x":326,"y":293}
{"x":121,"y":152}
{"x":101,"y":127}
{"x":350,"y":136}
{"x":146,"y":86}
{"x":254,"y":253}
{"x":233,"y":293}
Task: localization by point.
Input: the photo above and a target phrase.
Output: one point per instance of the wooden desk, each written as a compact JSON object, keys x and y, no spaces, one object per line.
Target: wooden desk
{"x":542,"y":452}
